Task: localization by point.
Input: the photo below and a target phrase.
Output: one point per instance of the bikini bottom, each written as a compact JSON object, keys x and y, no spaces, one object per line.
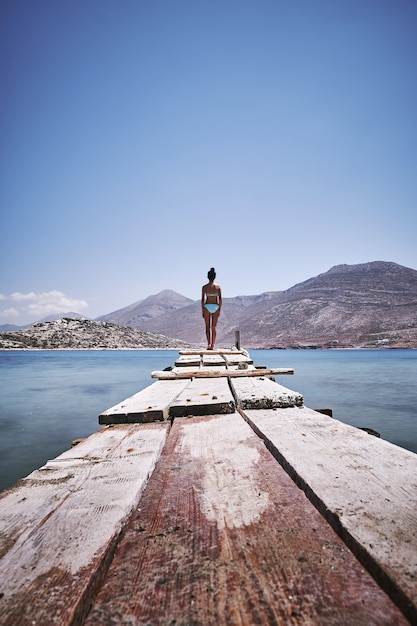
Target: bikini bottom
{"x":211,"y":308}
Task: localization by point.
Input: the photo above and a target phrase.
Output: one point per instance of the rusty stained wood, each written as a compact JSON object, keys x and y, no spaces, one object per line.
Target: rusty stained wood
{"x":219,"y":373}
{"x":224,"y":537}
{"x":59,"y":526}
{"x":149,"y":405}
{"x":263,"y":393}
{"x":365,"y":486}
{"x":203,"y":397}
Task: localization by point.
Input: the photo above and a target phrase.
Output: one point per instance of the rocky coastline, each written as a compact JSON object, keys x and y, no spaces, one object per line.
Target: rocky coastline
{"x":84,"y":334}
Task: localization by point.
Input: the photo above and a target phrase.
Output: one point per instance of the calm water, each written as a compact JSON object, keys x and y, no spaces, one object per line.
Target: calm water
{"x":49,"y":398}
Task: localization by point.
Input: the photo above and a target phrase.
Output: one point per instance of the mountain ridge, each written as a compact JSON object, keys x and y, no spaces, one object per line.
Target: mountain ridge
{"x":365,"y":305}
{"x":371,"y":304}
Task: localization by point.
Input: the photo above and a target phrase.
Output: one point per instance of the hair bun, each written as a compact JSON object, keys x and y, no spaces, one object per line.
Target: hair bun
{"x":211,"y":275}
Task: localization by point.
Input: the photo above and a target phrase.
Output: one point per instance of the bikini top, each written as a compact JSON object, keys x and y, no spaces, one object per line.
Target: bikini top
{"x":211,"y":295}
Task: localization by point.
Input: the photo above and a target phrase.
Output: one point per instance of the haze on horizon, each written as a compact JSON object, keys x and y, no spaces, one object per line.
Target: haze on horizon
{"x":143,"y":143}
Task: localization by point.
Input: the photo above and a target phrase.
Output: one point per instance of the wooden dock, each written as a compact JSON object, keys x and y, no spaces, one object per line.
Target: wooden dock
{"x":214,"y":496}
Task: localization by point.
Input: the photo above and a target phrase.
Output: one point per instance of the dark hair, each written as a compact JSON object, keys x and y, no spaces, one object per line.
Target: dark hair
{"x":211,"y":274}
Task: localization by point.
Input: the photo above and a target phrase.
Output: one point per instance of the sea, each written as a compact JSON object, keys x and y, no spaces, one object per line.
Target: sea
{"x":48,"y":398}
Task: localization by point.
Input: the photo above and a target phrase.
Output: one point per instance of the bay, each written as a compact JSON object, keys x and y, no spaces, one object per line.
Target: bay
{"x":374,"y":389}
{"x":49,"y":398}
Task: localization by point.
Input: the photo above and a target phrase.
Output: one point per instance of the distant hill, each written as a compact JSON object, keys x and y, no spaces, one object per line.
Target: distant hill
{"x":83,"y":334}
{"x":154,"y":306}
{"x":58,"y":316}
{"x":365,"y":305}
{"x":9,"y":328}
{"x":48,"y":318}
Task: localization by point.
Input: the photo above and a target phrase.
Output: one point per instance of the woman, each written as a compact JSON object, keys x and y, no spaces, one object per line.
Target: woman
{"x":211,"y":303}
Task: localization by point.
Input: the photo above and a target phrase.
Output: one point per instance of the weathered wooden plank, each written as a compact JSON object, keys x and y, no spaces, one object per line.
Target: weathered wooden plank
{"x":187,"y":369}
{"x":211,"y":368}
{"x":203,"y":397}
{"x":365,"y":486}
{"x":213,"y":359}
{"x":59,"y":526}
{"x":219,"y":373}
{"x":263,"y":393}
{"x":220,"y":351}
{"x":224,"y":537}
{"x":149,"y":405}
{"x":236,"y":359}
{"x":242,"y":366}
{"x":187,"y":360}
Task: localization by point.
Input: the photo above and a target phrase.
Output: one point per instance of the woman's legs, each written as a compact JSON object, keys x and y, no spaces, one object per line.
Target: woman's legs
{"x":211,"y":324}
{"x":214,"y":319}
{"x":207,"y":320}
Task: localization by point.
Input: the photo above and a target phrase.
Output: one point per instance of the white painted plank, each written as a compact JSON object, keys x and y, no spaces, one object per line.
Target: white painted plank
{"x":58,"y":524}
{"x":263,"y":393}
{"x":366,"y":487}
{"x":203,"y":397}
{"x":149,"y":405}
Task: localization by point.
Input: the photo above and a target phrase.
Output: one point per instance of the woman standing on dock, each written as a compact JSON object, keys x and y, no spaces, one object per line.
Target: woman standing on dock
{"x":211,"y":303}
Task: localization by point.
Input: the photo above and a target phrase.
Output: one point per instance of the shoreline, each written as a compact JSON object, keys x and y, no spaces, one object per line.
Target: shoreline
{"x":176,"y":349}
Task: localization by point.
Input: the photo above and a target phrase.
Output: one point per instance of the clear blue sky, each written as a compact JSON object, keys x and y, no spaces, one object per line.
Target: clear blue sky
{"x":144,"y":141}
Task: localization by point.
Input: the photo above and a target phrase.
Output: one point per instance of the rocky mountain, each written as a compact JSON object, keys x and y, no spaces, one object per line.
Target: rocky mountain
{"x":84,"y":334}
{"x":366,"y":305}
{"x":134,"y":315}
